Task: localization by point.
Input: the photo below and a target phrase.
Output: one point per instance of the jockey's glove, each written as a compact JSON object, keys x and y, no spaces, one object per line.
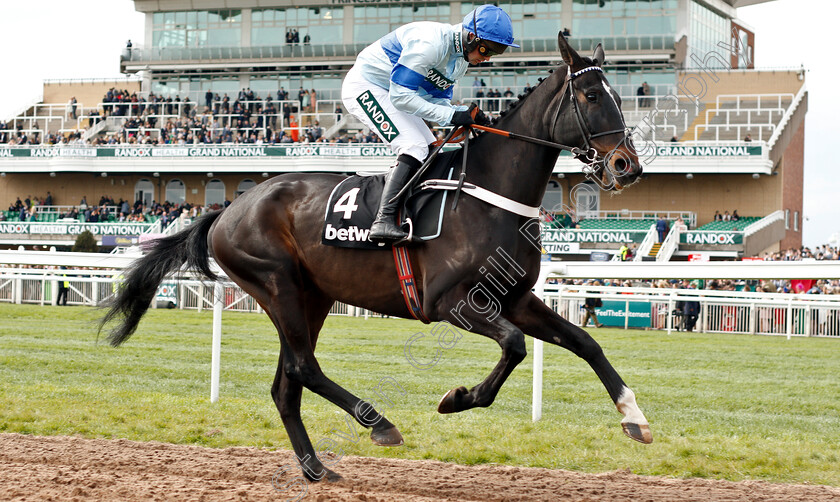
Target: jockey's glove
{"x":463,"y":118}
{"x":470,"y":116}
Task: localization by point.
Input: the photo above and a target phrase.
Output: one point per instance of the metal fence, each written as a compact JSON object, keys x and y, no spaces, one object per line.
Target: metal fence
{"x":720,"y":311}
{"x":93,"y":288}
{"x":647,"y":308}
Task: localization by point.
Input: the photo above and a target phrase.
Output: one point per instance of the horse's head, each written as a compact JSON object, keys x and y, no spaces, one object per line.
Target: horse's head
{"x":589,"y":115}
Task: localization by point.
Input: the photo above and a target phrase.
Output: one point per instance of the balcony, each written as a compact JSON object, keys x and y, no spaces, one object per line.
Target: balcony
{"x":659,"y":47}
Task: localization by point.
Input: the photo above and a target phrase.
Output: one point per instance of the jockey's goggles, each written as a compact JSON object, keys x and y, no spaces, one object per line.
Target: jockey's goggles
{"x":487,"y":48}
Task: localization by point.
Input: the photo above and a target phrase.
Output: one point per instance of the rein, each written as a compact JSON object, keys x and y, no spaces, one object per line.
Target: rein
{"x":588,"y":154}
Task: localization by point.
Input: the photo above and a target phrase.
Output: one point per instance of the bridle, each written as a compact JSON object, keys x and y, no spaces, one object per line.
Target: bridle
{"x":587,"y":154}
{"x":583,"y":126}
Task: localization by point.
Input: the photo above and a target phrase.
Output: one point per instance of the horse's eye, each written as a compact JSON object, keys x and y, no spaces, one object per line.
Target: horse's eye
{"x":592,"y":97}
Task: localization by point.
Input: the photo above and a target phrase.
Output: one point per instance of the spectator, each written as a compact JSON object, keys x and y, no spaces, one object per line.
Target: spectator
{"x":674,"y":139}
{"x":589,"y":306}
{"x":735,"y":216}
{"x":306,"y":39}
{"x":567,"y":33}
{"x":661,"y":228}
{"x":623,"y":251}
{"x":747,"y":138}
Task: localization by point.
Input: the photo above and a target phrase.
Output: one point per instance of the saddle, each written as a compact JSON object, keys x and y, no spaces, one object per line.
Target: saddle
{"x":353,"y":203}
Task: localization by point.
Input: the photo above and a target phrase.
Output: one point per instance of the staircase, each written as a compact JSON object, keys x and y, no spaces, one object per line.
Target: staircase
{"x":654,"y":250}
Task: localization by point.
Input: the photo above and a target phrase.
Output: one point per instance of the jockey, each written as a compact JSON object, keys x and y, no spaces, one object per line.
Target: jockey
{"x":406,"y":77}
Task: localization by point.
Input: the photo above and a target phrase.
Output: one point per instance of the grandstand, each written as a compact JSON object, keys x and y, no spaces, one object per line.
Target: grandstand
{"x":715,"y":133}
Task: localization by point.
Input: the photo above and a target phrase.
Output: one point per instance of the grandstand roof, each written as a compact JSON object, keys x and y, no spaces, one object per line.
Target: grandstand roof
{"x":163,"y":5}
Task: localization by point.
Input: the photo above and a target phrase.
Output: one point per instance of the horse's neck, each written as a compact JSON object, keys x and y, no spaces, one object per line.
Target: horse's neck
{"x":515,"y":168}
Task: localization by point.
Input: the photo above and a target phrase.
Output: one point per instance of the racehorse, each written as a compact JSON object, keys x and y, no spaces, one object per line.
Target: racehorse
{"x":268,"y":241}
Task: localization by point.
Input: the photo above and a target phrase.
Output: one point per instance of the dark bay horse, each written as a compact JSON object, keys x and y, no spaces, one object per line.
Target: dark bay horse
{"x":268,"y":241}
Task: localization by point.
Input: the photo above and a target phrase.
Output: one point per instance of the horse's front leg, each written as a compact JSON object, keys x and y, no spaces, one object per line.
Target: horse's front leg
{"x":536,"y":319}
{"x":510,"y":339}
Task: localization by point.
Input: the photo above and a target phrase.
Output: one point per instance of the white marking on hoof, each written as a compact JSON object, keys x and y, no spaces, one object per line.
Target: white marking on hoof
{"x":634,"y":423}
{"x":627,"y":406}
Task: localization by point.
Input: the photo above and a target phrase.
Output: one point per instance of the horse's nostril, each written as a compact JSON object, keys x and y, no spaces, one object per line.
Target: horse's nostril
{"x":620,"y":165}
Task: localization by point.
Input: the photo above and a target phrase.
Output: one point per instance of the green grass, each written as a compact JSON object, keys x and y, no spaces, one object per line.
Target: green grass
{"x":720,"y":406}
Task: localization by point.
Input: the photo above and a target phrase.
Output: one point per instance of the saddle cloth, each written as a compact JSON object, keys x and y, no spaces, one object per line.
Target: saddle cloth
{"x":353,"y":203}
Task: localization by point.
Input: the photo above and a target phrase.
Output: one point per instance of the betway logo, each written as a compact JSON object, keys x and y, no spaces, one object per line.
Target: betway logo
{"x":351,"y":233}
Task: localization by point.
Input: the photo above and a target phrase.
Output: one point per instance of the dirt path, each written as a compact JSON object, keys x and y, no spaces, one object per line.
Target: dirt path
{"x":69,"y":468}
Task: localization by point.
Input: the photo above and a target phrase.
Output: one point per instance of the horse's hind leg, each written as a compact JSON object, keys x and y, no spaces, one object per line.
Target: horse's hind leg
{"x":287,"y":394}
{"x":298,"y":313}
{"x":536,"y":319}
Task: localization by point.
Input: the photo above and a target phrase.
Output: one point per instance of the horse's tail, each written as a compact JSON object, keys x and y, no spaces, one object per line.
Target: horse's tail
{"x":142,"y":278}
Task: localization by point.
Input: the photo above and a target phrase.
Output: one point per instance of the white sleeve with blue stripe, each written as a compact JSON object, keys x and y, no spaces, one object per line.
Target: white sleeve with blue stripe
{"x":409,"y":90}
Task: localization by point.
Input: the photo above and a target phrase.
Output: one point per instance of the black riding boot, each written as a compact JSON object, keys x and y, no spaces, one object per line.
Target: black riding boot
{"x":385,"y":227}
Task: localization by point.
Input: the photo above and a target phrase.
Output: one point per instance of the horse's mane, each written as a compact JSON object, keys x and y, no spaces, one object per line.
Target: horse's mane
{"x":514,"y":104}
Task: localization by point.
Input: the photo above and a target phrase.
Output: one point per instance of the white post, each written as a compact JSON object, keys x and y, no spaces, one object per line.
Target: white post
{"x":218,"y":296}
{"x":627,"y":314}
{"x":18,"y":291}
{"x":537,"y":380}
{"x":668,"y":322}
{"x":536,"y":408}
{"x":789,"y":317}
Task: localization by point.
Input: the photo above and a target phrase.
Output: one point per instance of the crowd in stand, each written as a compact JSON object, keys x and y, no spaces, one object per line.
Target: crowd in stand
{"x":158,"y":120}
{"x":726,"y":216}
{"x":106,"y":210}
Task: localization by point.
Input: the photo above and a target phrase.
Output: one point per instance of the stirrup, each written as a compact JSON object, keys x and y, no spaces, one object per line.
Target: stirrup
{"x":409,"y":239}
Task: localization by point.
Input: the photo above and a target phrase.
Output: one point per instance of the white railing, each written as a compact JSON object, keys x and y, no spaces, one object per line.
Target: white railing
{"x":720,"y":311}
{"x":773,"y":101}
{"x":669,"y":245}
{"x":768,"y":220}
{"x":647,"y":243}
{"x":741,"y":130}
{"x":788,"y":115}
{"x":624,"y":214}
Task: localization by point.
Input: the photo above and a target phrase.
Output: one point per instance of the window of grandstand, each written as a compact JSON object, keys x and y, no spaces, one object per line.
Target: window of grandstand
{"x":244,"y":186}
{"x":214,"y":193}
{"x":553,"y":198}
{"x":144,"y":191}
{"x":203,"y":28}
{"x":374,"y":21}
{"x":796,"y":221}
{"x":615,"y":18}
{"x":587,"y":200}
{"x":533,"y":19}
{"x":182,"y":85}
{"x":176,"y":193}
{"x":707,"y":28}
{"x":324,"y":25}
{"x":787,"y":219}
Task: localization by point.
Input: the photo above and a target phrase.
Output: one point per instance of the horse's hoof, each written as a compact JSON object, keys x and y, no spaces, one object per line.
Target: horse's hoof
{"x":388,"y":437}
{"x":638,"y":432}
{"x":332,"y":476}
{"x":323,"y":475}
{"x":453,"y":401}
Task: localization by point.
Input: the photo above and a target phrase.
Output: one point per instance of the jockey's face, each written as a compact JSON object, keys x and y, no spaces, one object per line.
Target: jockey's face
{"x":475,"y":57}
{"x":484,"y":51}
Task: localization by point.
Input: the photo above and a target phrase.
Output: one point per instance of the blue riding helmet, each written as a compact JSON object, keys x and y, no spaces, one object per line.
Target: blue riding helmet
{"x":489,"y":22}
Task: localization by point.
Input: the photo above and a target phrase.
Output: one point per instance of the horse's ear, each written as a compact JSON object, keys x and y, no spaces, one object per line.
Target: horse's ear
{"x":598,"y":57}
{"x":570,"y":56}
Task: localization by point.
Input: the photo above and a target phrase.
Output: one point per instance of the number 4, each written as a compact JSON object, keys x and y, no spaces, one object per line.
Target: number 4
{"x":347,"y":203}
